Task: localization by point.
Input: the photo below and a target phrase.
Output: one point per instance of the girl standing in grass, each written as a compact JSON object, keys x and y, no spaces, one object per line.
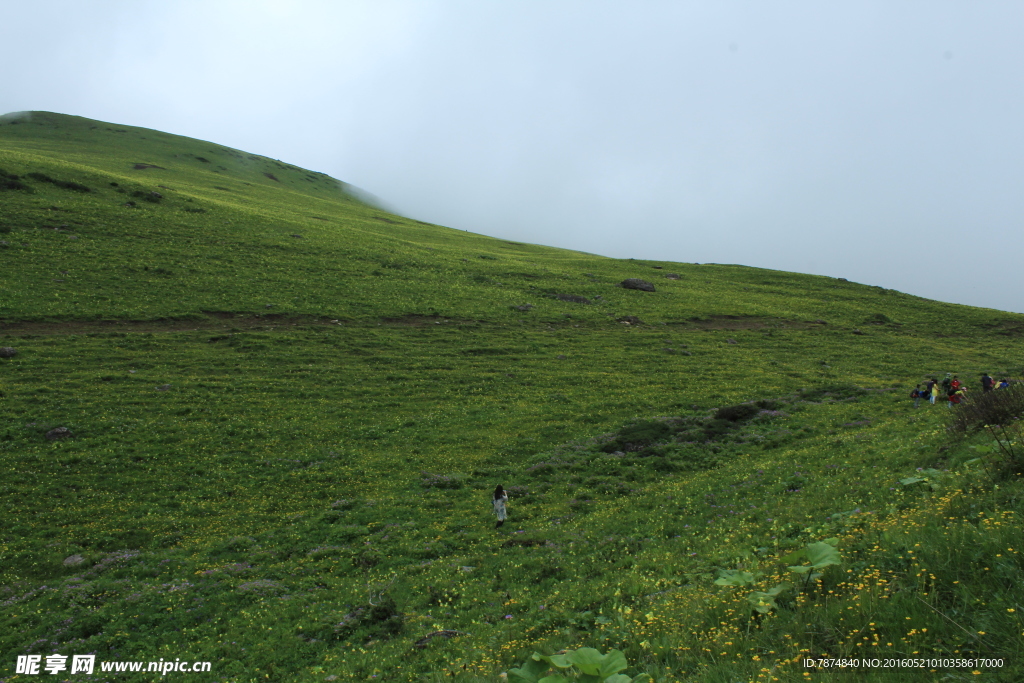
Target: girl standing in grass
{"x":499,"y":500}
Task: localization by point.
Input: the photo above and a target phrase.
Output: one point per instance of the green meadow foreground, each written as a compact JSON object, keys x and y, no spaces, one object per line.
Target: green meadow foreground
{"x":289,"y":408}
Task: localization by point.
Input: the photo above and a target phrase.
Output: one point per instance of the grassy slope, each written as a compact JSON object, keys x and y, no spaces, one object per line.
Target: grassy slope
{"x":281,"y":476}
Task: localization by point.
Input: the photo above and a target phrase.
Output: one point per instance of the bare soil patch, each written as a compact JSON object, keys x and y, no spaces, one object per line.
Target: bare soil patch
{"x":213,"y":320}
{"x":738,"y":322}
{"x":418,"y":320}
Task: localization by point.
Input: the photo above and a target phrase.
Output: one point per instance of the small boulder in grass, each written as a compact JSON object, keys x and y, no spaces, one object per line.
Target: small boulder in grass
{"x":637,"y":283}
{"x":8,"y":352}
{"x":73,"y":560}
{"x":730,"y":341}
{"x":672,"y":276}
{"x":59,"y":433}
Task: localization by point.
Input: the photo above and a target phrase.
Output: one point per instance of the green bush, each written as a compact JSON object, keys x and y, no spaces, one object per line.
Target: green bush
{"x":998,"y":407}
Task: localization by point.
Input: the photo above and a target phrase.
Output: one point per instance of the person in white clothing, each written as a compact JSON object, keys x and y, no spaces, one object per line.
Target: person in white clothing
{"x":499,"y":500}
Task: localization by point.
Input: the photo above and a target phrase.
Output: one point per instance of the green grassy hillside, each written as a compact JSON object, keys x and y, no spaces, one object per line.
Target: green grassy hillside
{"x":289,"y":408}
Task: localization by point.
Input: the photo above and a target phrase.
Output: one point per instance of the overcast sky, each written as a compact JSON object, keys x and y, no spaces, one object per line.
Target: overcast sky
{"x":877,"y":141}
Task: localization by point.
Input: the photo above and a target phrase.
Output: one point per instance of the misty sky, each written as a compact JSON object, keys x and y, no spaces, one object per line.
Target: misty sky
{"x":877,"y":141}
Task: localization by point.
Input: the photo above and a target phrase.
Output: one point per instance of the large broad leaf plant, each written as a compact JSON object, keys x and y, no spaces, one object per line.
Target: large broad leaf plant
{"x":585,"y":665}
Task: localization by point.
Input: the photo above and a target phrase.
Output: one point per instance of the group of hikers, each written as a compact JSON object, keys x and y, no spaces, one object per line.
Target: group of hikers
{"x":952,"y":389}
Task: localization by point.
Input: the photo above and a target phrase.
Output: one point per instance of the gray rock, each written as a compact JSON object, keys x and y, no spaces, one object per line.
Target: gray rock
{"x":524,"y":307}
{"x":59,"y":433}
{"x":857,"y":332}
{"x":637,"y":283}
{"x":730,"y":341}
{"x":672,"y":276}
{"x":164,"y":387}
{"x":630,"y":320}
{"x":560,"y":357}
{"x":8,"y":352}
{"x":73,"y":560}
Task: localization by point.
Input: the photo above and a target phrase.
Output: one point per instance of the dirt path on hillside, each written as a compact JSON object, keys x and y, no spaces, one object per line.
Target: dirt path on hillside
{"x":737,"y":322}
{"x":219,"y":321}
{"x":212,"y":321}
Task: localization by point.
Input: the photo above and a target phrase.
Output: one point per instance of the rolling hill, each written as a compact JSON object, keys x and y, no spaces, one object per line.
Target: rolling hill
{"x":285,"y":410}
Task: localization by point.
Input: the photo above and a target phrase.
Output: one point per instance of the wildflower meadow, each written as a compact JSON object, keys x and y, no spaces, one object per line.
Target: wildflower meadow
{"x":247,"y":418}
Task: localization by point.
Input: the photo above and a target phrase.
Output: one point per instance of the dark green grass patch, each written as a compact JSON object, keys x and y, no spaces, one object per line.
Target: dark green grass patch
{"x":62,"y":184}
